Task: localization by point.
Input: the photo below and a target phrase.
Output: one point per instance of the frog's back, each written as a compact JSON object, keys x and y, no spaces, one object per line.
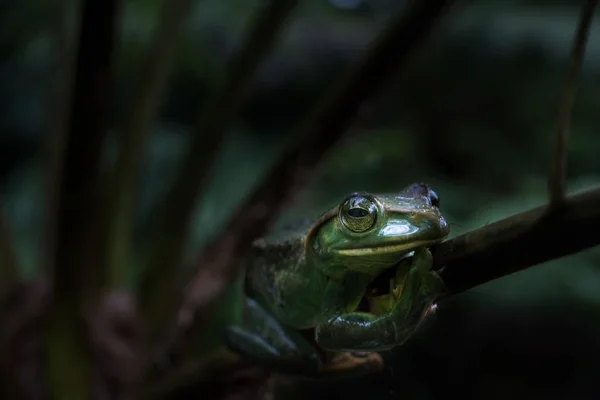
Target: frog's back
{"x":280,"y":276}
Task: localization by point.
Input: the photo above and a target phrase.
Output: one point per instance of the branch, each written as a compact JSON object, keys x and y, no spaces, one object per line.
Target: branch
{"x":519,"y":242}
{"x":78,"y":245}
{"x":132,"y":139}
{"x":558,"y":172}
{"x":493,"y":251}
{"x":219,"y":263}
{"x":159,"y":281}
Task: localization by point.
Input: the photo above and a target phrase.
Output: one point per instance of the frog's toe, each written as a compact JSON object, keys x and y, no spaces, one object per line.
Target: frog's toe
{"x":429,"y":282}
{"x":347,"y":364}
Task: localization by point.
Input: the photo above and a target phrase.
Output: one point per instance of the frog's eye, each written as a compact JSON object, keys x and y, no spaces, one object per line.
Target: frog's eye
{"x":358,"y":213}
{"x":435,"y":199}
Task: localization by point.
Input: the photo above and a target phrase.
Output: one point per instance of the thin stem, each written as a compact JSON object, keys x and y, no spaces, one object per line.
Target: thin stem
{"x":133,"y":137}
{"x":161,"y":279}
{"x":78,"y":253}
{"x":58,"y":121}
{"x":558,"y":172}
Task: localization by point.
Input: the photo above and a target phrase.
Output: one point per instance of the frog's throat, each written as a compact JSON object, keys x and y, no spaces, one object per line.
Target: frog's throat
{"x":392,"y":248}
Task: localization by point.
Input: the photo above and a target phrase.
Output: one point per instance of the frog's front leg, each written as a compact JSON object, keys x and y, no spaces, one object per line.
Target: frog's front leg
{"x":358,"y":331}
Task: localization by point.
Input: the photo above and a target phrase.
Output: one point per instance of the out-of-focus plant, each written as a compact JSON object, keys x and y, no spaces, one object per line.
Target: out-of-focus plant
{"x":108,"y":338}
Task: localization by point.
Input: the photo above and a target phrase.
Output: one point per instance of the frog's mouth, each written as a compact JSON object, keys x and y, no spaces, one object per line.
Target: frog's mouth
{"x":385,"y":249}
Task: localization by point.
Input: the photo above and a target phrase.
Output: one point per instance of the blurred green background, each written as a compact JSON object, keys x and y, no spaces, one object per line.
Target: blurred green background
{"x":473,"y":115}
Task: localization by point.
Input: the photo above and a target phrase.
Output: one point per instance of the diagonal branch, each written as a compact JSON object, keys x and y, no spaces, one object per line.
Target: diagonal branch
{"x":78,"y":254}
{"x":160,"y":281}
{"x":519,"y":242}
{"x":221,"y":260}
{"x":132,"y":139}
{"x":558,"y":172}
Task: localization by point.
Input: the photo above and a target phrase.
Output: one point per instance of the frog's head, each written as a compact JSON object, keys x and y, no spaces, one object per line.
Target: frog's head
{"x":370,"y":233}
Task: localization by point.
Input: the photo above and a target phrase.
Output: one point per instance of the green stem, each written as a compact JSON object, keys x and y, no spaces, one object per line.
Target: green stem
{"x":132,"y":140}
{"x":58,"y":120}
{"x":78,"y":257}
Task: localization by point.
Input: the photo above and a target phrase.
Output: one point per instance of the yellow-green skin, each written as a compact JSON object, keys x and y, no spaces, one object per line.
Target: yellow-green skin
{"x":317,"y":276}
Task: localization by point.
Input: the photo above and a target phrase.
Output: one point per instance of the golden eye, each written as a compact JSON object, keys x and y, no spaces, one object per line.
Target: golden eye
{"x":358,"y":213}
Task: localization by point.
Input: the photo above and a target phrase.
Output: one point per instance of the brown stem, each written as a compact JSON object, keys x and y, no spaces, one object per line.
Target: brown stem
{"x":76,"y":275}
{"x":160,"y":282}
{"x":558,"y":172}
{"x":219,"y":263}
{"x":519,"y":242}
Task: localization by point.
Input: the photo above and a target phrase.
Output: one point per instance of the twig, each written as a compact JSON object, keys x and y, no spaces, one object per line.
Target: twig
{"x":160,"y":281}
{"x":557,"y":176}
{"x":76,"y":276}
{"x":518,"y":242}
{"x":219,"y":263}
{"x":133,"y":138}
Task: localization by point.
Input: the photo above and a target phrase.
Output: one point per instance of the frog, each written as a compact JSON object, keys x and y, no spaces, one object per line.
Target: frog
{"x":326,"y":298}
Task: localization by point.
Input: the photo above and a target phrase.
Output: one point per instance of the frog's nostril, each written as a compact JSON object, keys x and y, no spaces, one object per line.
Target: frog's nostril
{"x":415,"y":217}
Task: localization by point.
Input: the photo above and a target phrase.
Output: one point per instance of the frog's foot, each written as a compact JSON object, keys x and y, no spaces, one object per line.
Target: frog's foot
{"x":264,"y":341}
{"x":282,"y":359}
{"x":349,"y":364}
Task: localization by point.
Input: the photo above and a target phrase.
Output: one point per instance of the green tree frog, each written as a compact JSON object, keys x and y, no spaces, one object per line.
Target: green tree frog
{"x":313,"y":306}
